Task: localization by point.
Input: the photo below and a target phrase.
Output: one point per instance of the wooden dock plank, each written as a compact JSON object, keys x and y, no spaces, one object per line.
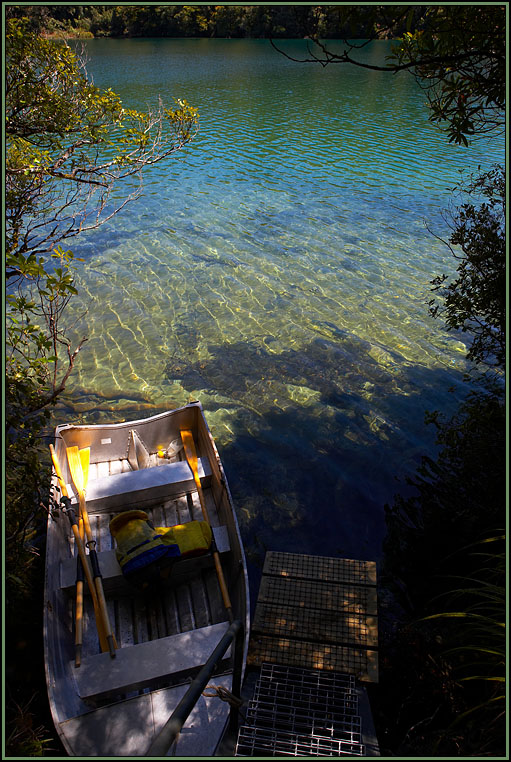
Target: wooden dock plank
{"x":361,"y":662}
{"x":317,"y":612}
{"x":311,"y":594}
{"x":340,"y":570}
{"x":319,"y":625}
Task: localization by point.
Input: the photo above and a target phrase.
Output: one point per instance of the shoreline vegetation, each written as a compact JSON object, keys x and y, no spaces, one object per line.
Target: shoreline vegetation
{"x":216,"y":21}
{"x":443,"y":568}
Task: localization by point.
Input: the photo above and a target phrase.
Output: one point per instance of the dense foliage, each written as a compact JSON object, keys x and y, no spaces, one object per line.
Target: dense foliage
{"x":69,"y":143}
{"x":444,"y":647}
{"x":67,"y":146}
{"x":292,"y":21}
{"x":475,"y":301}
{"x":459,"y":59}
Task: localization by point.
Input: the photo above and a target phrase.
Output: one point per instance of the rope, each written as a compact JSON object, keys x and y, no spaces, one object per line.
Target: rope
{"x":222,"y":693}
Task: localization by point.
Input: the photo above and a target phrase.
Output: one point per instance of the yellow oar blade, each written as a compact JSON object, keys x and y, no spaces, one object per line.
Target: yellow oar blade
{"x":190,"y":451}
{"x":75,"y":467}
{"x":56,"y":466}
{"x":191,"y":457}
{"x":85,"y":461}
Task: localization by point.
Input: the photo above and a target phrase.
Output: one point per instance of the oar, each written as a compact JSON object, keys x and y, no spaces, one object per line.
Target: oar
{"x":84,"y":563}
{"x":85,"y":459}
{"x":79,"y":583}
{"x":75,"y":466}
{"x":79,"y":608}
{"x":191,"y":457}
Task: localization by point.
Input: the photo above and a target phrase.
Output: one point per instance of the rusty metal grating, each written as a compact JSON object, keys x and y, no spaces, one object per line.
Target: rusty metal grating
{"x":299,"y":712}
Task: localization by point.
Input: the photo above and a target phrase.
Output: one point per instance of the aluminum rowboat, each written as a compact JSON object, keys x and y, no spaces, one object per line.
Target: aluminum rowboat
{"x":117,"y":706}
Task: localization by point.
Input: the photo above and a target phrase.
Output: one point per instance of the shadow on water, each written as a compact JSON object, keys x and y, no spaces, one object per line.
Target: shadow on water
{"x":320,"y":437}
{"x":314,"y":440}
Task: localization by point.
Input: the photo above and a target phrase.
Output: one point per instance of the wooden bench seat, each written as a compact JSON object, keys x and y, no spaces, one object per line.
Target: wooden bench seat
{"x":146,"y":484}
{"x":113,"y":579}
{"x":145,"y":664}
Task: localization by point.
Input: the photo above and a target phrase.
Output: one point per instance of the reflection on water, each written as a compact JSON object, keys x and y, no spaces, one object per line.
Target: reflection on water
{"x":278,"y":271}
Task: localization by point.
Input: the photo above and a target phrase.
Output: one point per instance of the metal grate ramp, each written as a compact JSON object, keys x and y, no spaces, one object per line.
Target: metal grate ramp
{"x":300,"y":713}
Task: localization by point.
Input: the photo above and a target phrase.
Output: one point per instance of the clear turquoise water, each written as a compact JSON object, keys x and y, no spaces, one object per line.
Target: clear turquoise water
{"x":278,"y":270}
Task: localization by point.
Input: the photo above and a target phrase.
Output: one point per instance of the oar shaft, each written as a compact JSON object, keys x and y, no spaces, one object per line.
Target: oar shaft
{"x":98,"y":580}
{"x":191,"y":457}
{"x":77,"y":475}
{"x":201,"y":495}
{"x":79,"y":614}
{"x":80,"y":576}
{"x":82,"y":556}
{"x":81,"y":549}
{"x":102,"y":601}
{"x":193,"y":462}
{"x":223,"y":587}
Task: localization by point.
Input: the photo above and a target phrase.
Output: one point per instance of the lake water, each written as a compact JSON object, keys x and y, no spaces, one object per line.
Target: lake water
{"x":278,"y":270}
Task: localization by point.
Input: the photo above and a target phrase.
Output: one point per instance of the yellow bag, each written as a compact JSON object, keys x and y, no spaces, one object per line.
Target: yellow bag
{"x":193,"y":538}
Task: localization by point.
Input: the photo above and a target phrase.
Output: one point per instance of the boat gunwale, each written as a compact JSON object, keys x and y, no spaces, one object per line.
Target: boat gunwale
{"x":239,"y":561}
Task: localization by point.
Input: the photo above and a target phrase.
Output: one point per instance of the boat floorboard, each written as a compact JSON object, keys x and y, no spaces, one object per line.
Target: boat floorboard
{"x":182,"y":607}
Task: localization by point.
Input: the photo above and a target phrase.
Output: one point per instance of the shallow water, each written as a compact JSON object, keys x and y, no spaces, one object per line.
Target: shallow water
{"x":278,"y":270}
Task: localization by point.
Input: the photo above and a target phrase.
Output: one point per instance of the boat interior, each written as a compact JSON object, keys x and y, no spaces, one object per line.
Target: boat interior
{"x":162,"y":634}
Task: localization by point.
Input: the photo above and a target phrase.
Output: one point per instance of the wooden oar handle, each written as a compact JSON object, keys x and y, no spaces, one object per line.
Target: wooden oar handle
{"x":106,"y":637}
{"x":79,"y":620}
{"x":223,"y":587}
{"x":69,"y":510}
{"x":96,"y":573}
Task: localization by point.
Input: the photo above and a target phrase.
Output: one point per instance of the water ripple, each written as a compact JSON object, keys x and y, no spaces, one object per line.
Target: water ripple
{"x":278,"y":269}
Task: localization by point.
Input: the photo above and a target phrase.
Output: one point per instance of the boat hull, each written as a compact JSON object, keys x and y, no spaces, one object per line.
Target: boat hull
{"x":116,"y":706}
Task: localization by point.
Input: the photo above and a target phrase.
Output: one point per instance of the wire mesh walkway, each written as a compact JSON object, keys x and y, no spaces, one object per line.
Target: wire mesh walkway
{"x":296,"y":712}
{"x":314,"y":634}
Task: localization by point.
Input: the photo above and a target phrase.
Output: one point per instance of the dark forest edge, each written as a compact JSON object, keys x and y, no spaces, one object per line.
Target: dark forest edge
{"x":219,"y":21}
{"x":442,"y":583}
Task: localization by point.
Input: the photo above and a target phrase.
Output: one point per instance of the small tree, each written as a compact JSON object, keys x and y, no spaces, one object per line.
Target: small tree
{"x":457,"y":53}
{"x":68,"y":145}
{"x":475,"y":301}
